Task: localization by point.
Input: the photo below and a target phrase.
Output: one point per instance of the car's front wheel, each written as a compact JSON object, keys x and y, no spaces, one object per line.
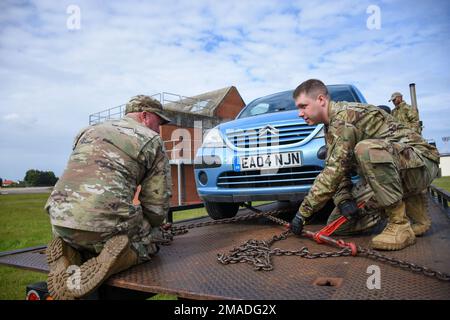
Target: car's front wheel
{"x":221,"y":210}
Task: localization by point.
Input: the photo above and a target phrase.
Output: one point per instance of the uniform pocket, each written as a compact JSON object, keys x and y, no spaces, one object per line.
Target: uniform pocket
{"x":380,"y":155}
{"x":407,"y":157}
{"x":383,"y":166}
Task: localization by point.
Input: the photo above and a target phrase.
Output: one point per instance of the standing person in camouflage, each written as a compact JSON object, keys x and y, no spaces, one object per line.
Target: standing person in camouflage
{"x":395,"y":161}
{"x":404,"y":113}
{"x":91,"y":209}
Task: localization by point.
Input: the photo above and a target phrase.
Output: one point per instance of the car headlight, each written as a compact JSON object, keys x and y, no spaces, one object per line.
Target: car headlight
{"x":213,"y":139}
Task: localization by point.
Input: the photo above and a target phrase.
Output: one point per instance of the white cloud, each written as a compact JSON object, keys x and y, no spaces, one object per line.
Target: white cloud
{"x":319,"y":15}
{"x":15,"y":119}
{"x":11,"y":116}
{"x":53,"y":78}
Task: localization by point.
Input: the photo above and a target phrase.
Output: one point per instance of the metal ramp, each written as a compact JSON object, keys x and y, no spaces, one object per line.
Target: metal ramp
{"x":189,"y":268}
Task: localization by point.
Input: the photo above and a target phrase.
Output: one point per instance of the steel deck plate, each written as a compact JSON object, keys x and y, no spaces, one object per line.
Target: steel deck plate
{"x":189,"y":268}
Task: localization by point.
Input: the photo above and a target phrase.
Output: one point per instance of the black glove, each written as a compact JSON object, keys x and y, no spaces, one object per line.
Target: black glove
{"x":349,"y":209}
{"x":297,"y":224}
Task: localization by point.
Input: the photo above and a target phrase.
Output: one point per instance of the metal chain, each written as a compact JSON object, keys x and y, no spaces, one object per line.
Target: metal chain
{"x":169,"y":230}
{"x":258,"y":252}
{"x":374,"y":255}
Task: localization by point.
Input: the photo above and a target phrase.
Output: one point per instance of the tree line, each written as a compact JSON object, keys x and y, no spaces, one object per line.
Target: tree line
{"x":36,"y":178}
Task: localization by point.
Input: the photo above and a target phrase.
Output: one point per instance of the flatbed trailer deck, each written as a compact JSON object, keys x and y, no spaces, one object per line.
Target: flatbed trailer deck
{"x":188,"y":267}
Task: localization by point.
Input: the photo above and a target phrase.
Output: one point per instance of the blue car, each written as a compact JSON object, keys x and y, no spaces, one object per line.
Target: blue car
{"x":267,"y":153}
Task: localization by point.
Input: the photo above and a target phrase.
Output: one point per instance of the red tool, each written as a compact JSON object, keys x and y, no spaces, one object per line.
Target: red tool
{"x":323,"y":235}
{"x":320,"y":238}
{"x":329,"y":229}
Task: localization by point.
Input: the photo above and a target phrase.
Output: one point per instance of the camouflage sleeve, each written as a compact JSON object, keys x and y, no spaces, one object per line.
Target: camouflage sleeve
{"x":413,"y":117}
{"x":344,"y":191}
{"x":338,"y":166}
{"x":77,"y":138}
{"x":157,"y":183}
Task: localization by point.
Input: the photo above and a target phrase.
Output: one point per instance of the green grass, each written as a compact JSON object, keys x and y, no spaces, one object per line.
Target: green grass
{"x":13,"y":282}
{"x":443,"y":183}
{"x":24,"y":223}
{"x":199,"y":212}
{"x":188,"y":214}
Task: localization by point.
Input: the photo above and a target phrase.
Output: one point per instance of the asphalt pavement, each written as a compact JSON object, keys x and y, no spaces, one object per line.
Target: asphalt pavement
{"x":29,"y":190}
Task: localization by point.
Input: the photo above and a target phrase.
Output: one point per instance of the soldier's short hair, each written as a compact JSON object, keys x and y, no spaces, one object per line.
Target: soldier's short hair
{"x":312,"y":88}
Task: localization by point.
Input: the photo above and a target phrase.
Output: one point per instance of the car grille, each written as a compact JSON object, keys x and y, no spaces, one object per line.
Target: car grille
{"x":270,"y":136}
{"x":297,"y":176}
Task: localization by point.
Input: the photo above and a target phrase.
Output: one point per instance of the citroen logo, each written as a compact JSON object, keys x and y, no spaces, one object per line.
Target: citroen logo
{"x":268,"y":130}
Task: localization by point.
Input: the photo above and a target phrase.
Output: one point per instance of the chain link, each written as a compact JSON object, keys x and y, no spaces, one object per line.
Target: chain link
{"x":258,"y":252}
{"x":170,"y":230}
{"x":374,"y":255}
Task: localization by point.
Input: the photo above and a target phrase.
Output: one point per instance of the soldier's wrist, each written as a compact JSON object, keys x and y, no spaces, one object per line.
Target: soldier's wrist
{"x":304,"y":212}
{"x":301,"y":217}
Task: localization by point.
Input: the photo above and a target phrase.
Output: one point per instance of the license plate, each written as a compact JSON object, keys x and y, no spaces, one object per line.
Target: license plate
{"x":269,"y":161}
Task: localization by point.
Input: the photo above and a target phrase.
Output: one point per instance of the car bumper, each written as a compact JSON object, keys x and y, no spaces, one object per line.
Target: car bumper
{"x":239,"y":197}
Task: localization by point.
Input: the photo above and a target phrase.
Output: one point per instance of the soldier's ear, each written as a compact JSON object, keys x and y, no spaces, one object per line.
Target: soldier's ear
{"x":322,"y":98}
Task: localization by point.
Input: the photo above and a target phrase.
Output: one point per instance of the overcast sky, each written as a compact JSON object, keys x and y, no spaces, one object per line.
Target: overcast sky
{"x":53,"y":76}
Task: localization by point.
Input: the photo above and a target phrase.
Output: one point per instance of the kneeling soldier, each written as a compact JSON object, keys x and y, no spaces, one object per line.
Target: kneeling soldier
{"x":396,"y":163}
{"x":91,"y":207}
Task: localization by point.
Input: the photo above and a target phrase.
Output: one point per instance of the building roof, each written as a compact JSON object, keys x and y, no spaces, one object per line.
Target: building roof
{"x":203,"y":104}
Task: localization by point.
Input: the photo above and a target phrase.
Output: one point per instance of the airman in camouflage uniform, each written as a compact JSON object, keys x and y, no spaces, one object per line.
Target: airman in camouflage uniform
{"x":396,"y":162}
{"x":404,"y":113}
{"x":91,"y":208}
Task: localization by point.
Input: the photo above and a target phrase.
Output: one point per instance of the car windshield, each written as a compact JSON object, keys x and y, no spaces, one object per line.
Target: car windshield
{"x":283,"y":101}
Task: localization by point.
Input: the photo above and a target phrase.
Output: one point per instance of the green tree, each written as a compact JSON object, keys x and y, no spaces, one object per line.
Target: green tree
{"x":35,"y":178}
{"x":31,"y":177}
{"x":1,"y":182}
{"x":47,"y":178}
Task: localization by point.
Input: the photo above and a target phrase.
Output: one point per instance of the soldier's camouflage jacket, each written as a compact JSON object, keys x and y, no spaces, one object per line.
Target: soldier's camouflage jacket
{"x":350,"y":123}
{"x":407,"y":115}
{"x":109,"y":160}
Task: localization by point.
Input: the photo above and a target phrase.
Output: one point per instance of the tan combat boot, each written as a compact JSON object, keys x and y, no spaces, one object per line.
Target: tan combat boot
{"x":59,"y":257}
{"x":416,"y":210}
{"x":398,"y":233}
{"x":115,"y":256}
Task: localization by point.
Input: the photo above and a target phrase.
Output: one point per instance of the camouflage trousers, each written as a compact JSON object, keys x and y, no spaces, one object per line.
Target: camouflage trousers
{"x":143,"y":237}
{"x":389,"y":172}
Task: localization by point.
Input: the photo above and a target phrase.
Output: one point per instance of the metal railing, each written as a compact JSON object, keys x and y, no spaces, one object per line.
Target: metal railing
{"x":441,"y":196}
{"x":178,"y":99}
{"x":118,"y":112}
{"x":114,"y":112}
